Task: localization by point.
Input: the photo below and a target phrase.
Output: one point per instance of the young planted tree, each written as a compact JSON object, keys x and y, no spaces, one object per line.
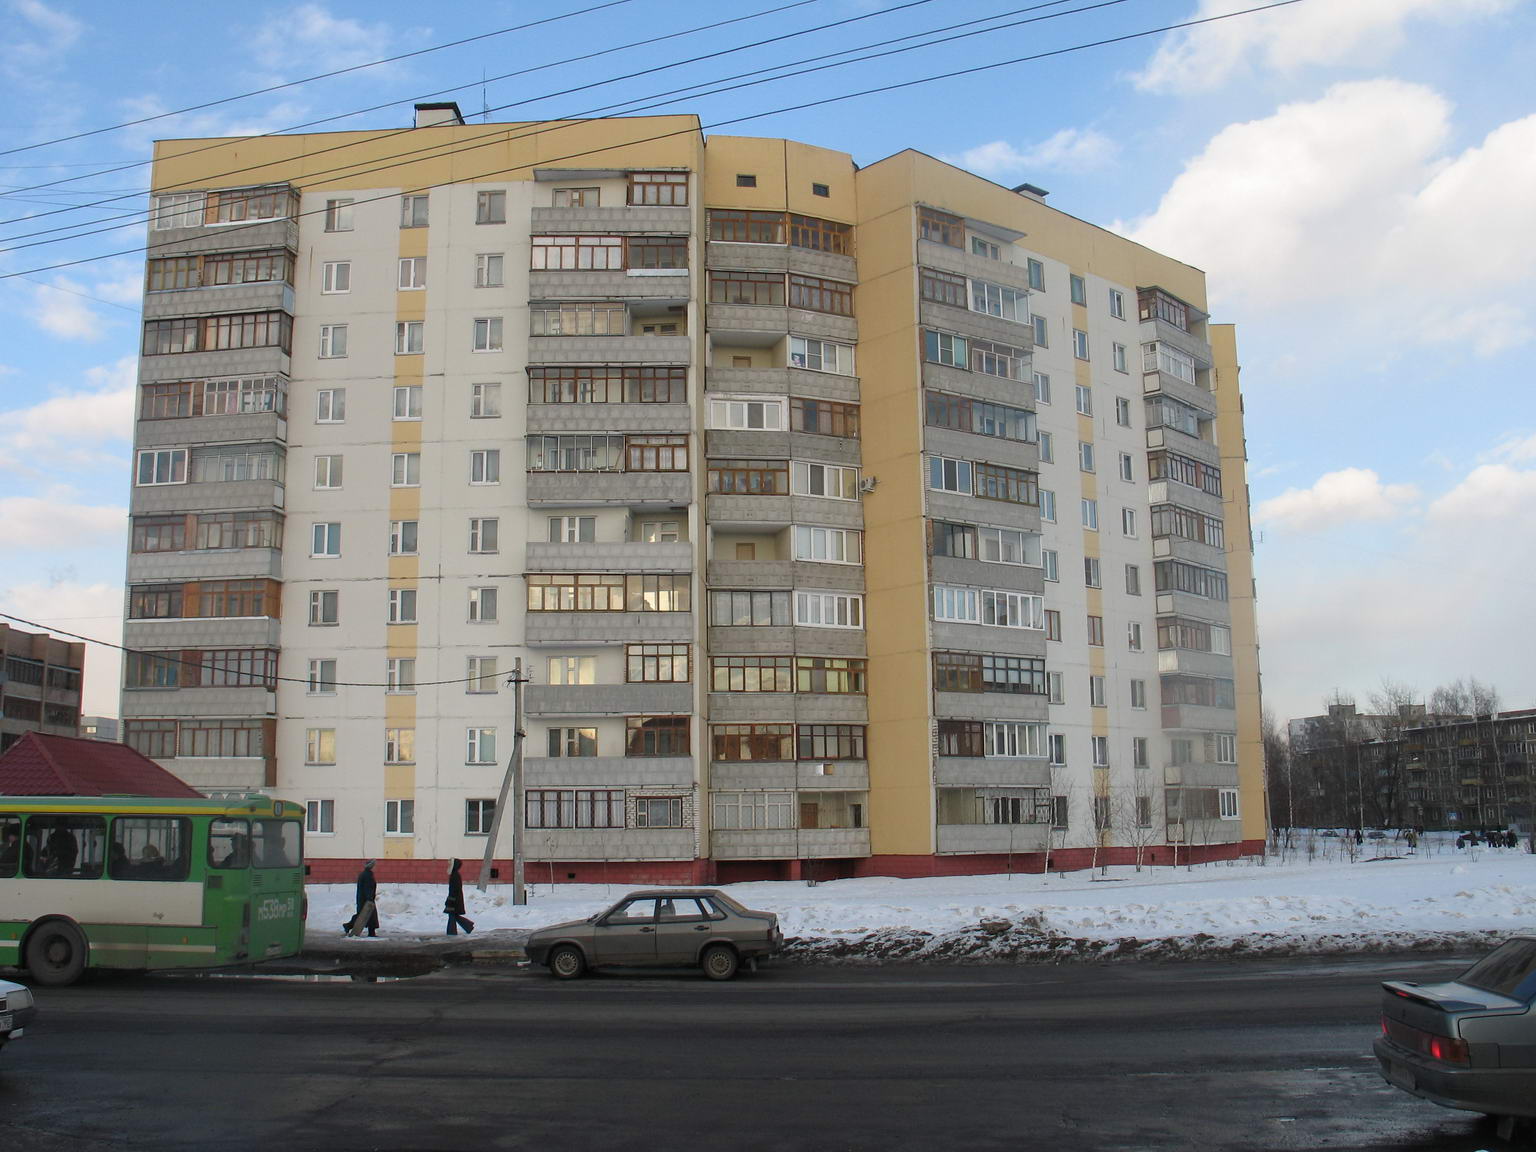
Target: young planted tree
{"x":1135,"y":816}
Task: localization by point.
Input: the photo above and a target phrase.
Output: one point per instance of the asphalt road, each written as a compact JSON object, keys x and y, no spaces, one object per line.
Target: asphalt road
{"x":1231,"y":1056}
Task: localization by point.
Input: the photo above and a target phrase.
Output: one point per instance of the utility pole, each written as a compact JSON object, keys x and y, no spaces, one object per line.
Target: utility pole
{"x":511,"y":783}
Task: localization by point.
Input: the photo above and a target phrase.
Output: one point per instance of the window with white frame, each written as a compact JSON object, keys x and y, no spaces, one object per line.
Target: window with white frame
{"x":407,"y":402}
{"x":745,"y":810}
{"x":483,"y":533}
{"x":331,"y":406}
{"x":829,"y":609}
{"x":1132,"y":580}
{"x":1077,"y":288}
{"x":480,"y":746}
{"x":985,"y":249}
{"x":1127,"y":465}
{"x":479,"y":817}
{"x":832,"y":481}
{"x":409,"y":336}
{"x":1138,"y":694}
{"x":572,"y":670}
{"x":482,"y":605}
{"x":1139,"y":747}
{"x":324,"y":607}
{"x":1036,"y":272}
{"x":1003,"y":609}
{"x":572,"y":529}
{"x":1055,"y":689}
{"x":659,"y":532}
{"x":333,"y":341}
{"x":179,"y":210}
{"x":405,"y":470}
{"x":1091,"y":572}
{"x":325,"y":539}
{"x":755,"y":413}
{"x":338,"y":214}
{"x":1008,"y":546}
{"x":485,"y":401}
{"x":402,"y":605}
{"x":399,"y":745}
{"x":161,"y":466}
{"x":413,"y":273}
{"x":1118,"y":351}
{"x":336,"y":277}
{"x":400,"y":675}
{"x":1117,"y":303}
{"x":413,"y":211}
{"x":1221,"y":640}
{"x":1122,"y":412}
{"x":399,"y":817}
{"x":1048,"y":561}
{"x":403,"y":537}
{"x":1096,"y":692}
{"x":487,"y":334}
{"x":328,"y":471}
{"x":1047,"y":447}
{"x":1047,"y":505}
{"x":1085,"y":457}
{"x":485,"y":466}
{"x":948,"y":475}
{"x":1098,"y":746}
{"x":997,"y":300}
{"x":1042,"y":387}
{"x":490,"y":270}
{"x":961,"y":605}
{"x":828,"y":545}
{"x":1128,"y":521}
{"x":1079,"y":343}
{"x":322,"y":677}
{"x":1224,"y":750}
{"x":1084,"y":396}
{"x":1056,"y":744}
{"x":1013,"y":738}
{"x":319,"y":817}
{"x":1133,"y":635}
{"x":1160,"y":357}
{"x":1090,"y":514}
{"x":821,"y":355}
{"x":1227,"y":798}
{"x":481,"y":678}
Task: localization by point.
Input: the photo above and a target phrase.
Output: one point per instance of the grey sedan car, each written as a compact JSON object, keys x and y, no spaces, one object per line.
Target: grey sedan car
{"x":664,"y":928}
{"x":1469,"y":1043}
{"x":16,"y":1010}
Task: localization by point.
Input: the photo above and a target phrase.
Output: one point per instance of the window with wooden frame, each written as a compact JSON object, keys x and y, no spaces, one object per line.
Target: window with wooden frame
{"x":942,"y":287}
{"x":656,"y":453}
{"x":612,"y":384}
{"x":609,"y":592}
{"x":1013,"y":485}
{"x":1020,"y":675}
{"x":657,"y":736}
{"x":941,"y":228}
{"x":743,"y":608}
{"x":817,"y":295}
{"x":656,"y":252}
{"x":830,"y":742}
{"x":659,"y":188}
{"x":830,"y":675}
{"x":820,"y":235}
{"x":752,"y":742}
{"x":166,"y":401}
{"x":752,"y":674}
{"x":657,"y":663}
{"x":576,"y":198}
{"x":237,"y":205}
{"x":754,"y":288}
{"x":949,"y":539}
{"x":748,"y":477}
{"x":961,"y":738}
{"x":823,"y":417}
{"x":273,"y":265}
{"x":956,"y":672}
{"x":731,"y":226}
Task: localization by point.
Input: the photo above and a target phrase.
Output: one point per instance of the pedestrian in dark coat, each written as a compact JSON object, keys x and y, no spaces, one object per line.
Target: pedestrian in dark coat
{"x":454,"y":905}
{"x":367,"y":896}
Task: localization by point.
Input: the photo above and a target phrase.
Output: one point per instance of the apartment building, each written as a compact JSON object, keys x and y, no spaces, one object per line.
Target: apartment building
{"x":836,"y":518}
{"x":40,"y":680}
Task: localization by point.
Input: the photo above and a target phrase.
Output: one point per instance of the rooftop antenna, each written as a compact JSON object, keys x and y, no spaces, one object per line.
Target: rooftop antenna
{"x":485,"y":105}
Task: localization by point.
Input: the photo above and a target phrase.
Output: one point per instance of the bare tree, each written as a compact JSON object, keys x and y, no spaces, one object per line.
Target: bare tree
{"x":1137,"y":820}
{"x":1279,"y":782}
{"x":1060,"y":794}
{"x":1397,"y":708}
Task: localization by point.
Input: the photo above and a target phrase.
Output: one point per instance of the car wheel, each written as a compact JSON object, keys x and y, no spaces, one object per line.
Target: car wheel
{"x":719,"y":962}
{"x":567,"y":962}
{"x":56,"y":954}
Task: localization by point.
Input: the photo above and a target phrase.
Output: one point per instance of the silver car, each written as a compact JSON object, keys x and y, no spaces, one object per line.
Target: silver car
{"x":662,"y":928}
{"x":1469,"y":1043}
{"x":16,"y":1010}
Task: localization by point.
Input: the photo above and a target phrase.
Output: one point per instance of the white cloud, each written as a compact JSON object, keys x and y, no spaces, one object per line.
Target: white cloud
{"x":213,"y":123}
{"x":1070,"y":150}
{"x":1327,"y":213}
{"x":1517,"y":449}
{"x":1343,"y":497}
{"x":1491,"y":496}
{"x":58,"y":308}
{"x":100,"y":413}
{"x":309,"y":38}
{"x":34,"y":524}
{"x":1333,"y":32}
{"x":94,"y":610}
{"x":47,"y":36}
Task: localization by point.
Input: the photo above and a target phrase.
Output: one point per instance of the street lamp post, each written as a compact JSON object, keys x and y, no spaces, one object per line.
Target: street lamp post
{"x":511,"y":782}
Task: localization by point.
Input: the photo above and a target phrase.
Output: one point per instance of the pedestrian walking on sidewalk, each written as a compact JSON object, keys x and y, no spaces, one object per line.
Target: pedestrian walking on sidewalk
{"x":454,"y":905}
{"x":367,"y":914}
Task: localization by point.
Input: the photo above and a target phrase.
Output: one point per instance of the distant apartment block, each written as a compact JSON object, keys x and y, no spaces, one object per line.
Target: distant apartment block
{"x":845,"y":520}
{"x":40,"y":679}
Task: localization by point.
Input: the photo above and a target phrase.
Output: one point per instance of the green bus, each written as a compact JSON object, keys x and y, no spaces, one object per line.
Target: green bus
{"x":144,"y":884}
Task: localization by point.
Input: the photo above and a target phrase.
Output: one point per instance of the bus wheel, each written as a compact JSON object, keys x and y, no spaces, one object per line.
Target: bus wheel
{"x":56,"y":954}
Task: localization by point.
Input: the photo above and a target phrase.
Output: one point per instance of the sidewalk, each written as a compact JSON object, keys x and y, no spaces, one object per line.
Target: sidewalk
{"x":406,"y":952}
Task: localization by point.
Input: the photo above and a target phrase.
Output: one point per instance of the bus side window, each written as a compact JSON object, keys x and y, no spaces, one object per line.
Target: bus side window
{"x":65,"y":847}
{"x":10,"y":844}
{"x":150,"y":848}
{"x":229,"y":844}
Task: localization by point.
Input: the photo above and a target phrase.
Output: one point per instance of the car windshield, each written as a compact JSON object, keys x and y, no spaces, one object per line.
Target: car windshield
{"x":1509,"y":970}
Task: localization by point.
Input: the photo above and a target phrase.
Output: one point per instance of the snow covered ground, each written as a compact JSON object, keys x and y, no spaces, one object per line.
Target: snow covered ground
{"x":1312,"y":901}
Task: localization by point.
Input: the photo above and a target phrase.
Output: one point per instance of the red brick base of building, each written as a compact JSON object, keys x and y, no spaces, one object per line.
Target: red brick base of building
{"x":667,"y":873}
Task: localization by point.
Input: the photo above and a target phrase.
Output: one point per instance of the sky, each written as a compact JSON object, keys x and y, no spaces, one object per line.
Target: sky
{"x":1356,"y":177}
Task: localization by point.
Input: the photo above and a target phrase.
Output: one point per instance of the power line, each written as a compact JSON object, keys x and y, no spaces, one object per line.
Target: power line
{"x":975,"y":70}
{"x":503,"y":107}
{"x":255,"y":681}
{"x":312,"y":79}
{"x":500,"y":133}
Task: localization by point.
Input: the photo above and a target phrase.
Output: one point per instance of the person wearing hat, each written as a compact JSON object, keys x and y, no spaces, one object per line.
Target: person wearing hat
{"x":367,"y":893}
{"x":454,"y":904}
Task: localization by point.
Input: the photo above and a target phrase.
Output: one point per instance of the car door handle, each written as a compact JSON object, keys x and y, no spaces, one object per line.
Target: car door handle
{"x":701,"y":927}
{"x":647,"y":929}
